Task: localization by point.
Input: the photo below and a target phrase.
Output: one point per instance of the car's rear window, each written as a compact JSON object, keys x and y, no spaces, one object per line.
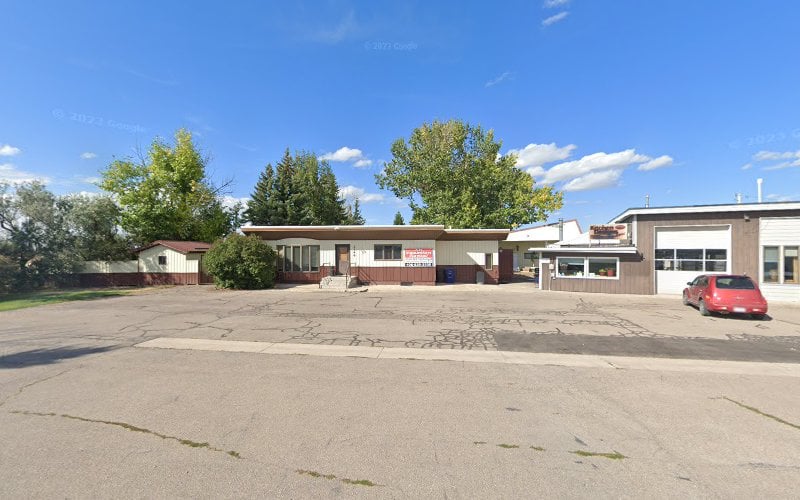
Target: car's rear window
{"x":736,"y":283}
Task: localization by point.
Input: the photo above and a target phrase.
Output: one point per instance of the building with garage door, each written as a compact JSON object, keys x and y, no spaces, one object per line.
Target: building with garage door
{"x":409,"y":255}
{"x":658,"y":250}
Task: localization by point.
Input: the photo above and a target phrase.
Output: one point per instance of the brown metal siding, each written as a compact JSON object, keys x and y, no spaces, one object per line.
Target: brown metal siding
{"x":396,"y":275}
{"x":633,"y":277}
{"x":469,"y":273}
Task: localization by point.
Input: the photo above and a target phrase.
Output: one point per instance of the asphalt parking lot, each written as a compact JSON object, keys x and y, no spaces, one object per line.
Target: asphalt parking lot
{"x":85,"y":413}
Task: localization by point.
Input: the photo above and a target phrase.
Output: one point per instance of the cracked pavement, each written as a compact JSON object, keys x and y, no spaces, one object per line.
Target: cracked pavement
{"x":128,"y":422}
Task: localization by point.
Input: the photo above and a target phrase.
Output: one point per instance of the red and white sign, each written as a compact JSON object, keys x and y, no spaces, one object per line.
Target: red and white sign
{"x":609,"y":232}
{"x":418,"y":257}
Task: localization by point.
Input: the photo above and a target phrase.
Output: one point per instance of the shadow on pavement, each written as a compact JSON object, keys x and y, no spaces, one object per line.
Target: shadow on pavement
{"x":46,"y":356}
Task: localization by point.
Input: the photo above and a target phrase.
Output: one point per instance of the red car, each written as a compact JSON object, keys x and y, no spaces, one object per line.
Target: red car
{"x":725,"y":294}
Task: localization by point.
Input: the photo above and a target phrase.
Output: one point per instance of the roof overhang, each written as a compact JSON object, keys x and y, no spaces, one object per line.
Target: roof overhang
{"x":414,"y":232}
{"x":474,"y":235}
{"x":591,"y":250}
{"x":694,"y":209}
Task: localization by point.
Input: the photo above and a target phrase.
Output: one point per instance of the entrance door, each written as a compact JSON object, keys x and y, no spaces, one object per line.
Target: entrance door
{"x":204,"y":278}
{"x":342,"y":259}
{"x":506,"y":265}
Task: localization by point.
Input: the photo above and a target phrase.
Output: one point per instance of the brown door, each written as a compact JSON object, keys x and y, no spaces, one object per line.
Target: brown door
{"x":204,"y":278}
{"x":342,"y":259}
{"x":506,"y":265}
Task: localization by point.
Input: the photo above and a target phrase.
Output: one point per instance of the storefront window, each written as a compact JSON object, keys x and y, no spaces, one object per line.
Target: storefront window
{"x":771,"y":261}
{"x":590,"y":267}
{"x":602,"y":266}
{"x":570,"y":266}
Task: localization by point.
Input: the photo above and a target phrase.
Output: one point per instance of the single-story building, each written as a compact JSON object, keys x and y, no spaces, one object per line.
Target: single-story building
{"x":162,"y":262}
{"x":418,"y":255}
{"x":528,"y":242}
{"x":657,"y":250}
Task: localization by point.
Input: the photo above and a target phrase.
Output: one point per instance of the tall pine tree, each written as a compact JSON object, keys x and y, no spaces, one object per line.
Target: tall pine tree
{"x":299,"y":191}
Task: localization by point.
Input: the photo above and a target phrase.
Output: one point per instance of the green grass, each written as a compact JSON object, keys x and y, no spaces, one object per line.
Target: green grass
{"x":508,"y":446}
{"x":40,"y":298}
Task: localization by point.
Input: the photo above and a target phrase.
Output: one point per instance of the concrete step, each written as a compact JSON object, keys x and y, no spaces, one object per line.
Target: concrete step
{"x":338,"y":282}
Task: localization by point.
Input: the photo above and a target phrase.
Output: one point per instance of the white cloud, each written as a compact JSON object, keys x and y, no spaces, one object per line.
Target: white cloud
{"x":775,"y":155}
{"x":660,"y":162}
{"x":343,"y":154}
{"x":9,"y":150}
{"x":783,"y":164}
{"x":88,"y":155}
{"x":10,"y":173}
{"x":353,"y":192}
{"x":533,"y":156}
{"x":507,"y":75}
{"x":594,"y":180}
{"x":230,"y":201}
{"x":344,"y":29}
{"x":92,"y":180}
{"x":781,"y":197}
{"x":549,"y":4}
{"x":747,"y":166}
{"x":556,"y":18}
{"x":593,"y":162}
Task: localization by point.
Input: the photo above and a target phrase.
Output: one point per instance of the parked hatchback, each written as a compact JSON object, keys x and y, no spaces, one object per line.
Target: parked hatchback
{"x":725,"y":294}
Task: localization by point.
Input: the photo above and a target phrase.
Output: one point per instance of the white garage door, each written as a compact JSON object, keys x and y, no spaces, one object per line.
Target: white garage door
{"x":682,"y":253}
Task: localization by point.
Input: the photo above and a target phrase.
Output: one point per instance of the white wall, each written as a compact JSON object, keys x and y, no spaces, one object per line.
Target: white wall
{"x":106,"y":267}
{"x":461,"y":253}
{"x":176,"y":261}
{"x":362,"y":252}
{"x":778,"y":231}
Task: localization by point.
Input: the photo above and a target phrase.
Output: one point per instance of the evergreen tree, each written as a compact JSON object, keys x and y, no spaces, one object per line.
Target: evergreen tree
{"x":353,"y":216}
{"x":300,"y":191}
{"x":398,"y":219}
{"x":260,"y":209}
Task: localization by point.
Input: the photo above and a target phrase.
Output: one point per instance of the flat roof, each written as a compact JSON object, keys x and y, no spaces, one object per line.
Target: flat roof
{"x":377,"y":232}
{"x":690,"y":209}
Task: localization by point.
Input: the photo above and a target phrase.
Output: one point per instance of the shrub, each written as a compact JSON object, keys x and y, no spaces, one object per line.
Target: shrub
{"x":241,"y":262}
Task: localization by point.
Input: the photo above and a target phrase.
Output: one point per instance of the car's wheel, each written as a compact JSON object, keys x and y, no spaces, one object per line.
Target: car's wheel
{"x":759,"y":317}
{"x":703,"y":309}
{"x":685,"y":299}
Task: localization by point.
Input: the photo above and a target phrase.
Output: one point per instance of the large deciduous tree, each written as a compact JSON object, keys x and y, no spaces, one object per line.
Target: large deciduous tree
{"x":168,"y":195}
{"x":452,"y":173}
{"x":43,"y":237}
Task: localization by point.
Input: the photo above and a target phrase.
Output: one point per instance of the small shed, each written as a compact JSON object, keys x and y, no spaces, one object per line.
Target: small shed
{"x":167,"y":262}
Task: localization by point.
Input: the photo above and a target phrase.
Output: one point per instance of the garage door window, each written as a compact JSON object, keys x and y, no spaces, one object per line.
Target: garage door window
{"x":692,"y":259}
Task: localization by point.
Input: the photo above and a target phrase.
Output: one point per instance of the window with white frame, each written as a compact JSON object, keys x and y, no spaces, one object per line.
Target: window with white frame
{"x":692,"y":259}
{"x":781,"y":264}
{"x":298,"y":258}
{"x":587,"y":267}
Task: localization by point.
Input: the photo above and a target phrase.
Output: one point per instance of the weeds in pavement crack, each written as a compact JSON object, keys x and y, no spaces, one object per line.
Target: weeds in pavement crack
{"x":132,"y":428}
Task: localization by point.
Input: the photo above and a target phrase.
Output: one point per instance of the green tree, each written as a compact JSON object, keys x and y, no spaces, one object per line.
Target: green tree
{"x":94,"y":224}
{"x":168,"y":195}
{"x":398,"y":219}
{"x":34,"y":236}
{"x":452,"y":173}
{"x":353,"y":215}
{"x":241,"y":262}
{"x":300,"y":190}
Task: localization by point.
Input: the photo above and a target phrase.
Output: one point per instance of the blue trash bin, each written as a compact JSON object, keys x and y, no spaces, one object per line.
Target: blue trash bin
{"x":450,"y":275}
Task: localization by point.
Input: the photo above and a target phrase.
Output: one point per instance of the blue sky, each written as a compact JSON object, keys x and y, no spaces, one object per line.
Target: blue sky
{"x":689,"y":102}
